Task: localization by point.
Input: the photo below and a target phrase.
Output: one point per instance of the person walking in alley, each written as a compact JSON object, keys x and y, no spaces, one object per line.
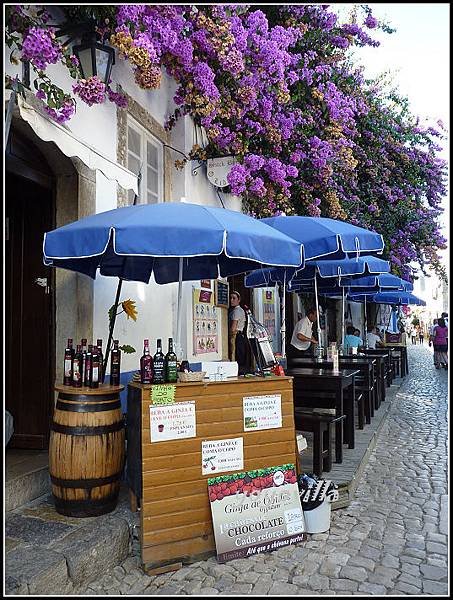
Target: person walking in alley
{"x":439,"y":340}
{"x":431,"y":330}
{"x":421,"y":335}
{"x":413,"y":334}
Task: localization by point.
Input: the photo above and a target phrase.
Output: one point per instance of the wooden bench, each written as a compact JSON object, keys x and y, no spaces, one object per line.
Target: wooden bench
{"x":322,"y":427}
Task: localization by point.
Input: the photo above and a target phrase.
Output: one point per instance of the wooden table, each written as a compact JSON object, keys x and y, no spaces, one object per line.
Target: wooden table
{"x":325,"y":380}
{"x":404,"y":361}
{"x":382,"y":356}
{"x":363,"y":363}
{"x":166,"y":478}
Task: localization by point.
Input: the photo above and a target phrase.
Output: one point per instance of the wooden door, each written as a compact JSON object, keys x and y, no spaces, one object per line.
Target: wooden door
{"x":29,"y":308}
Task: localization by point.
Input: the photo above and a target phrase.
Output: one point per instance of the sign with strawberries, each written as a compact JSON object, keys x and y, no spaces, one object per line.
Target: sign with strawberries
{"x":262,"y":412}
{"x":256,"y":511}
{"x":221,"y":456}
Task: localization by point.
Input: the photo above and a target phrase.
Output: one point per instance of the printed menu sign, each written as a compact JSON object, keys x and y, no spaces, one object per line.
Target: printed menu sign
{"x":172,"y":421}
{"x":220,"y":456}
{"x":262,"y":412}
{"x":254,"y":512}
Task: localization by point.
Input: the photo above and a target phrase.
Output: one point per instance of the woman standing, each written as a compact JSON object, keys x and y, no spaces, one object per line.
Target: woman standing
{"x":440,"y":343}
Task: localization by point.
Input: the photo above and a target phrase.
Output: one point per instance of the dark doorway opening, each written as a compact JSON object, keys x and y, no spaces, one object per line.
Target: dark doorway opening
{"x":30,"y":210}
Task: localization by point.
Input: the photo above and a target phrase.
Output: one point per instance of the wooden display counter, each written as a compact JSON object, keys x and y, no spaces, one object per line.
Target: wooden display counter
{"x":166,"y":478}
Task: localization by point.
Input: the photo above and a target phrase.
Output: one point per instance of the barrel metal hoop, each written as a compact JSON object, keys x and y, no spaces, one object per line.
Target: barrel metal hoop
{"x":88,"y":407}
{"x":87,"y":398}
{"x":86,"y":483}
{"x":98,"y":430}
{"x":86,"y":508}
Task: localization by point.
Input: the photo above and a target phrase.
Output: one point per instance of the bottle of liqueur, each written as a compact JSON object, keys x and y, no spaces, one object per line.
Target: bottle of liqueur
{"x":88,"y":360}
{"x":159,"y":364}
{"x":101,"y":359}
{"x":84,"y":359}
{"x":171,"y":368}
{"x":115,"y":364}
{"x":95,"y":368}
{"x":146,"y":364}
{"x":77,"y":368}
{"x":68,"y":359}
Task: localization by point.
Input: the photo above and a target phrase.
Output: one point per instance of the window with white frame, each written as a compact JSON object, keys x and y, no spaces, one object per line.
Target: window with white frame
{"x":145,"y":152}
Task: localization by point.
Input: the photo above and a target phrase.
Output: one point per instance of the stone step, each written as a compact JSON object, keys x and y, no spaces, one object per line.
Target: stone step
{"x":48,"y":553}
{"x":26,"y":477}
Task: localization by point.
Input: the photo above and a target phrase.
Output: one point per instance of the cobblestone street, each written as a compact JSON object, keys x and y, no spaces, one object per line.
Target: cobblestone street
{"x":392,"y":539}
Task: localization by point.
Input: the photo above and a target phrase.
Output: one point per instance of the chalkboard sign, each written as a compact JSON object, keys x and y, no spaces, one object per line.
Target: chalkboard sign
{"x":221,"y":294}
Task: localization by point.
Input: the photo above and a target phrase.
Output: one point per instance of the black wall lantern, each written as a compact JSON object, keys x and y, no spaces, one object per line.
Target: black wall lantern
{"x":94,"y":58}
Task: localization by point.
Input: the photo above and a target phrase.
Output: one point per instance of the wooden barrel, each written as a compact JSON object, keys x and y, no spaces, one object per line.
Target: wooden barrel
{"x":86,"y":450}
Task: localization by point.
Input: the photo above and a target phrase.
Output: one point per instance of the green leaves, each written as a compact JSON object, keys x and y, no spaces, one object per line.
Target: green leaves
{"x":127,"y":349}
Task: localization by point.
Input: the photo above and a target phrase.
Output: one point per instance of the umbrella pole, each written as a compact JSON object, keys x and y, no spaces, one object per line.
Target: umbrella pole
{"x":317,"y":313}
{"x":365,"y":325}
{"x":283,"y":317}
{"x":178,"y":318}
{"x":342,"y":317}
{"x":111,"y":328}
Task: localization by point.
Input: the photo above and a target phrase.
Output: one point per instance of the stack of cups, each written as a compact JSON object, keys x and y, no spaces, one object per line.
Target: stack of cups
{"x":335,"y":359}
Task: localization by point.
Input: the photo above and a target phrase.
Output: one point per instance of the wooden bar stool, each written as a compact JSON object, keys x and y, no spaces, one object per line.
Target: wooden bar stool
{"x":322,"y":427}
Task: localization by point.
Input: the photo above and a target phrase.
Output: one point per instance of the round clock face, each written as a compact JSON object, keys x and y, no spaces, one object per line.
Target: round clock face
{"x":218,"y":169}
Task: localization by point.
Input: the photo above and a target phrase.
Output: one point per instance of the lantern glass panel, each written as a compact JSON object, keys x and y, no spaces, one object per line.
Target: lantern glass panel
{"x":86,"y":62}
{"x":102,"y":60}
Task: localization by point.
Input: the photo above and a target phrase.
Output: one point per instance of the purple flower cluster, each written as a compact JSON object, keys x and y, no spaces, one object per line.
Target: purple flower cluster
{"x":276,"y":88}
{"x":40,"y":48}
{"x":91,"y":91}
{"x":64,"y":113}
{"x":117,"y":98}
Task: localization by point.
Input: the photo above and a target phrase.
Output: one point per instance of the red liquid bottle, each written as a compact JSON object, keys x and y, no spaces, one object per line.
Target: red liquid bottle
{"x":101,"y":360}
{"x":95,"y":368}
{"x":88,"y":360}
{"x":68,"y":359}
{"x":146,"y":364}
{"x":77,"y":368}
{"x":115,"y":364}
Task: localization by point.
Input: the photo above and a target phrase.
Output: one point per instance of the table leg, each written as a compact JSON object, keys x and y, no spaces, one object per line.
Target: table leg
{"x":382,"y":380}
{"x":339,"y":427}
{"x":349,"y":422}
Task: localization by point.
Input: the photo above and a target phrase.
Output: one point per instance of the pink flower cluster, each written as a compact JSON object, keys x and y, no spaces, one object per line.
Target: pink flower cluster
{"x":91,"y":90}
{"x":40,"y":48}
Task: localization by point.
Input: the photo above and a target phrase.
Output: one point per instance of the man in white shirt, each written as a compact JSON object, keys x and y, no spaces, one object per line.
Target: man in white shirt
{"x":372,"y":339}
{"x":302,"y":338}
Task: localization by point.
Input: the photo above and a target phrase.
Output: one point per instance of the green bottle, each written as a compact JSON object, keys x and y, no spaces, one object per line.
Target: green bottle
{"x":171,"y":373}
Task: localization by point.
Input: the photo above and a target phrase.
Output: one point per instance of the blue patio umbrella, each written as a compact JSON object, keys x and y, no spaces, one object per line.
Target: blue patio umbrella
{"x":328,"y":238}
{"x":174,"y":241}
{"x":399,"y":298}
{"x":368,"y":286}
{"x":327,"y":269}
{"x":322,"y":237}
